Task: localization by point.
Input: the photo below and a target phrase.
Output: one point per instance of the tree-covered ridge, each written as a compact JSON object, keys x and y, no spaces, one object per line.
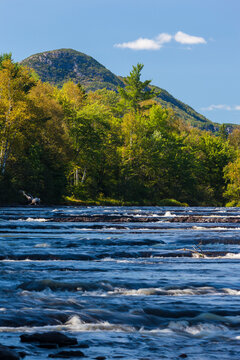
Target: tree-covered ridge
{"x":107,"y":146}
{"x":59,"y":66}
{"x":185,"y":112}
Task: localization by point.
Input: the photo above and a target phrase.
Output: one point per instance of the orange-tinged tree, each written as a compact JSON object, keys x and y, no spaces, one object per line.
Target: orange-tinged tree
{"x":15,"y":83}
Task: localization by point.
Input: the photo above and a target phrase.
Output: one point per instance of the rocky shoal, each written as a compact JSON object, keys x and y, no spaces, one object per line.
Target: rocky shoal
{"x":143,"y":219}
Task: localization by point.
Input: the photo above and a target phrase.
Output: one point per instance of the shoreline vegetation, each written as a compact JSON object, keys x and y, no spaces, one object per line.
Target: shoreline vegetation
{"x":71,"y":201}
{"x":114,"y":202}
{"x":108,"y":148}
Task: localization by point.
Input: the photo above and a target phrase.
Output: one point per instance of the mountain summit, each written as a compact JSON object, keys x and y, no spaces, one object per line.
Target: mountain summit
{"x":59,"y":66}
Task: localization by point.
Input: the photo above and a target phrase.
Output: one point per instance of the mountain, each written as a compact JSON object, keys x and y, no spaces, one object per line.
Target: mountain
{"x":61,"y":65}
{"x":185,"y":112}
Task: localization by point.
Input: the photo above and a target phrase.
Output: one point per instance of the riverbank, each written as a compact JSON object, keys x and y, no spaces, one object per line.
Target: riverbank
{"x":114,"y":202}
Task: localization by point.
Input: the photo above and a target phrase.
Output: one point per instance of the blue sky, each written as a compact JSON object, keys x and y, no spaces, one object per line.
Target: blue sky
{"x":191,"y":48}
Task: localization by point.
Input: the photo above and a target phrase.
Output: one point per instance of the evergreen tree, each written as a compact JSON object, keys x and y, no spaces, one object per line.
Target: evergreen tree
{"x":136,"y":91}
{"x":223,"y":133}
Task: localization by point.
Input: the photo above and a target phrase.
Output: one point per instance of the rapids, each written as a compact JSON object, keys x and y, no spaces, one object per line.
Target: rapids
{"x":157,"y":288}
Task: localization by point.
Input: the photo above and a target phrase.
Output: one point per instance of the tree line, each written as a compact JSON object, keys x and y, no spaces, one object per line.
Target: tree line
{"x":60,"y":143}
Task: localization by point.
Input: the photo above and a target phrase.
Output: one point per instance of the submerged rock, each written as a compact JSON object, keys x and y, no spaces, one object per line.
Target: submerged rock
{"x":83,"y":346}
{"x":7,"y":353}
{"x":67,"y":354}
{"x":146,"y":219}
{"x":49,"y":338}
{"x":48,"y":346}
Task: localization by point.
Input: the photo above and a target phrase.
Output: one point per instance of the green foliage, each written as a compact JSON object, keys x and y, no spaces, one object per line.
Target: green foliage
{"x":136,"y":91}
{"x":222,"y":132}
{"x":15,"y":111}
{"x":171,"y":202}
{"x":4,"y":57}
{"x":214,"y":154}
{"x":232,"y":176}
{"x":185,"y":112}
{"x":60,"y":66}
{"x":107,"y":148}
{"x":30,"y":126}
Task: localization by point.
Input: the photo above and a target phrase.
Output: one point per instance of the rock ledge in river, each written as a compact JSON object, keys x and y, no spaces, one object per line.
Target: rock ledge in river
{"x":7,"y":353}
{"x":67,"y":354}
{"x":55,"y":338}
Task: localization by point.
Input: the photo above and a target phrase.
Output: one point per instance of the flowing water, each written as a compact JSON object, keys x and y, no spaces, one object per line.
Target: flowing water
{"x":129,"y":290}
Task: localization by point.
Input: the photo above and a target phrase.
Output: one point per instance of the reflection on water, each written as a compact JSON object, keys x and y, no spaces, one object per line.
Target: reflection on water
{"x":135,"y":290}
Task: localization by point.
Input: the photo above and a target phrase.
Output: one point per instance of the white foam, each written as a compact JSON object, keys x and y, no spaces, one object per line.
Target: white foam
{"x":204,"y":290}
{"x":166,"y":332}
{"x":231,"y":256}
{"x":25,"y":329}
{"x":169,"y":214}
{"x":226,"y":256}
{"x":192,"y":291}
{"x":42,"y":245}
{"x":214,"y":228}
{"x":83,"y":229}
{"x":198,"y":291}
{"x":73,"y":324}
{"x":36,"y":219}
{"x":76,"y":324}
{"x":106,"y":259}
{"x":199,"y":255}
{"x":232,"y":292}
{"x":138,"y":261}
{"x":10,"y":260}
{"x":200,"y":330}
{"x":134,"y":292}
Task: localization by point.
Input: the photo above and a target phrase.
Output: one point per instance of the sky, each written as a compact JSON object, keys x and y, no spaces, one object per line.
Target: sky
{"x":191,"y":48}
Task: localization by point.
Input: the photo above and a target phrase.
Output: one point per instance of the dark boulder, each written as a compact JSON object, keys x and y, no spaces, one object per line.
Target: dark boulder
{"x":7,"y":353}
{"x":67,"y":354}
{"x":54,"y":338}
{"x":83,"y":346}
{"x":48,"y":346}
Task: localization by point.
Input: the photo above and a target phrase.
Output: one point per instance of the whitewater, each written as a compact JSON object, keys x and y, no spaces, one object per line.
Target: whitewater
{"x":126,"y":282}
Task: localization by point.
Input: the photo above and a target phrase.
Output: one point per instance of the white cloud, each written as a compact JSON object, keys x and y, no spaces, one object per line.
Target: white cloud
{"x":163,"y":38}
{"x":183,"y":38}
{"x":146,"y":44}
{"x":140,"y":44}
{"x":222,"y":107}
{"x":157,"y":42}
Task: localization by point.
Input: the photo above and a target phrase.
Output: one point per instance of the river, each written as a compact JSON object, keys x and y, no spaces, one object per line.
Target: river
{"x":128,"y":289}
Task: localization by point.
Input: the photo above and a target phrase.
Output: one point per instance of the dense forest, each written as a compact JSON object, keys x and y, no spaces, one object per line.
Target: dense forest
{"x":107,"y":147}
{"x":61,"y":65}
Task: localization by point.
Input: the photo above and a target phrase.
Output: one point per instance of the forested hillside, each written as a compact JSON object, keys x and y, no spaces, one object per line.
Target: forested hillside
{"x":104,"y":146}
{"x":59,"y":66}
